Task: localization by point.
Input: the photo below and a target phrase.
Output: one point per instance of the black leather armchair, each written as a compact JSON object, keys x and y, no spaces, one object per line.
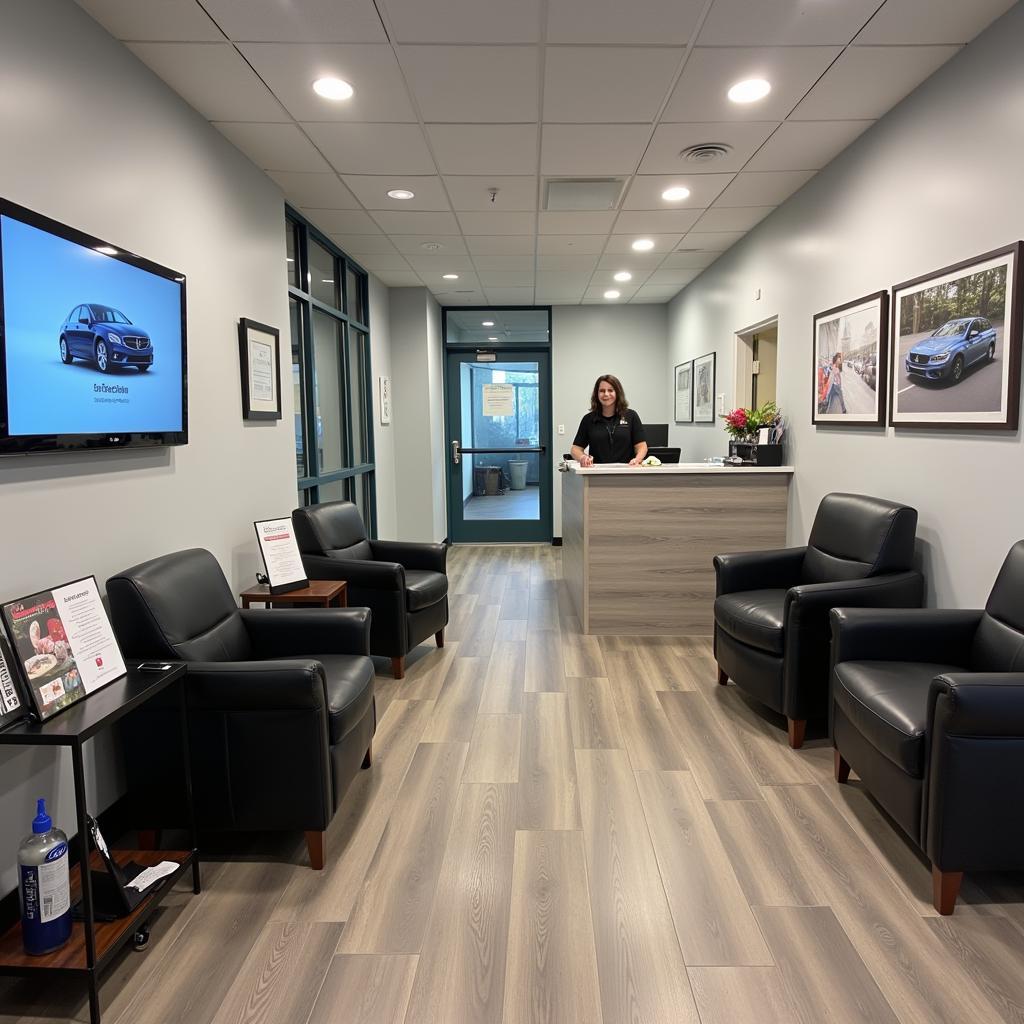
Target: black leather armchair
{"x":404,"y":584}
{"x":928,"y":709}
{"x":771,"y":607}
{"x":281,"y":707}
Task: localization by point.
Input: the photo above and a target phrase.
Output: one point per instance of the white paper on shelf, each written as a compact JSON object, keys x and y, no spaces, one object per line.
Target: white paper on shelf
{"x":146,"y":878}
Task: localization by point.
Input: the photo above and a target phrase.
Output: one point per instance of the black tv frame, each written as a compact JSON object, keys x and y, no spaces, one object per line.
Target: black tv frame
{"x":41,"y":444}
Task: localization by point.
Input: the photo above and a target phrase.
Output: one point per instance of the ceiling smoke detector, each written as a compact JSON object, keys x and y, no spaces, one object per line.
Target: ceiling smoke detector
{"x":705,"y":152}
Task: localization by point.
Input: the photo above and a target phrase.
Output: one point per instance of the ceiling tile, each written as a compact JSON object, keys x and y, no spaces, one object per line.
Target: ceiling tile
{"x":274,"y":147}
{"x":570,"y":261}
{"x":372,"y":191}
{"x":498,"y":223}
{"x":645,"y":221}
{"x":473,"y":298}
{"x":311,"y":21}
{"x":806,"y":145}
{"x":573,"y":245}
{"x":373,"y":148}
{"x":484,"y":148}
{"x":736,"y":218}
{"x":563,"y":279}
{"x":489,"y":84}
{"x":464,"y":21}
{"x":931,"y":21}
{"x":701,"y":94}
{"x":435,"y":267}
{"x":291,"y":68}
{"x":784,"y":22}
{"x":369,"y":245}
{"x":624,"y":243}
{"x":558,"y":296}
{"x":611,"y":83}
{"x":506,"y":278}
{"x":435,"y":281}
{"x":399,"y":222}
{"x":413,"y":245}
{"x":592,"y":149}
{"x":710,"y":241}
{"x":655,"y":294}
{"x":510,"y":296}
{"x":688,"y":260}
{"x":867,"y":81}
{"x":500,"y":245}
{"x":180,"y":20}
{"x":377,"y":263}
{"x":596,"y":294}
{"x":743,"y":137}
{"x":560,"y":222}
{"x":320,"y":191}
{"x":670,"y":276}
{"x":471,"y":192}
{"x":523,"y":261}
{"x":213,"y":78}
{"x":611,"y":21}
{"x":399,"y":278}
{"x":762,"y":188}
{"x":342,"y":222}
{"x":645,"y":191}
{"x":636,"y":262}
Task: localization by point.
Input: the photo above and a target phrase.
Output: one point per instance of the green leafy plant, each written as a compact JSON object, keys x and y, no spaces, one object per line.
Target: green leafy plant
{"x":744,"y":424}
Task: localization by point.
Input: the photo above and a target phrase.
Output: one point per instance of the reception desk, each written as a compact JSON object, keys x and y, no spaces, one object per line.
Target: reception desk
{"x":638,"y":541}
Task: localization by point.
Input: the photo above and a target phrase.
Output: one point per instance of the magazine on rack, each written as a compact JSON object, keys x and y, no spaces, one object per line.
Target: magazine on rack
{"x":12,"y":703}
{"x":63,"y":644}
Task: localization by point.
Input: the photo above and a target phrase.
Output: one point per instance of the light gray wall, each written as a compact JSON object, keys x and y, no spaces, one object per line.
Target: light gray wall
{"x":934,"y":182}
{"x":418,"y":412}
{"x":185,"y":198}
{"x":586,"y":341}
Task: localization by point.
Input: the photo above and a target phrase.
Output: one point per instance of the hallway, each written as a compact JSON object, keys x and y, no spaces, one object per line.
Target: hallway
{"x":560,"y":828}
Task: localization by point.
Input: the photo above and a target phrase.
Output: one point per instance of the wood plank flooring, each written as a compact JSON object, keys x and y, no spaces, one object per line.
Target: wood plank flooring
{"x":560,"y":829}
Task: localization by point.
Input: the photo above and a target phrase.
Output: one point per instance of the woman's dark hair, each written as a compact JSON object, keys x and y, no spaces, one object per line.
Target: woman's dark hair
{"x":621,"y":405}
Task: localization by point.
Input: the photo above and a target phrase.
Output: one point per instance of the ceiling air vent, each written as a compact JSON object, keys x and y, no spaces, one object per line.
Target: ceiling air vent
{"x":705,"y":152}
{"x":584,"y":194}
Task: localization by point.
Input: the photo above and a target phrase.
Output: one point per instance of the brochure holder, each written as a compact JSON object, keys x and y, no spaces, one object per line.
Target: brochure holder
{"x":281,"y":557}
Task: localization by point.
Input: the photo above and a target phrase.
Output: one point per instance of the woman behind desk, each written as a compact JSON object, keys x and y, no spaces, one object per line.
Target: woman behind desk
{"x":611,"y":430}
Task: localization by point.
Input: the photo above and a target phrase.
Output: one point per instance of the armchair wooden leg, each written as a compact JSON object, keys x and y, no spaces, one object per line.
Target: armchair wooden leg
{"x":316,"y":843}
{"x":149,"y":839}
{"x":398,"y":667}
{"x":439,"y":637}
{"x":723,"y":677}
{"x":797,"y":727}
{"x":945,"y":889}
{"x":842,"y":768}
{"x":368,"y":756}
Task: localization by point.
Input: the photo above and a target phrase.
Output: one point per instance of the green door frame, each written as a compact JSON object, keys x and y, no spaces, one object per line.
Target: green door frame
{"x":500,"y":531}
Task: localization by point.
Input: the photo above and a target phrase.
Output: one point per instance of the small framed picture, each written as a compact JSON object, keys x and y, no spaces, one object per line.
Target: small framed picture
{"x":259,"y":350}
{"x":956,"y":340}
{"x":684,"y":392}
{"x":849,"y":372}
{"x":704,"y":389}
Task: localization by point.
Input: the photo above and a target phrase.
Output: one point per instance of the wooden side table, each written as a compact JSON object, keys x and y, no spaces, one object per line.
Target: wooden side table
{"x":319,"y":594}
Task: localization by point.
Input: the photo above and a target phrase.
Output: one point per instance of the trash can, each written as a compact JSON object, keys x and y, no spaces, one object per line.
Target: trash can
{"x":492,"y":479}
{"x":479,"y":481}
{"x":517,"y":471}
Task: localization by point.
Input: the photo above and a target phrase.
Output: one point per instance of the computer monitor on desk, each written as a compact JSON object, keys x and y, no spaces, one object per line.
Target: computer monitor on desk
{"x":657,"y":434}
{"x":664,"y":455}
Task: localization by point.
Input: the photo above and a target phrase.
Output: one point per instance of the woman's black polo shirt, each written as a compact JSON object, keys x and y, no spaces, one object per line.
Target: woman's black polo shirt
{"x":610,"y":440}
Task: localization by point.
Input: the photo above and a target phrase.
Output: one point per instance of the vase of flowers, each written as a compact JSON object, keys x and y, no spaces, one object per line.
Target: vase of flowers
{"x":744,"y":427}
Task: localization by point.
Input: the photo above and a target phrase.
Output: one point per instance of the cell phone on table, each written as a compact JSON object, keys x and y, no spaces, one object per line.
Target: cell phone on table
{"x":154,"y":666}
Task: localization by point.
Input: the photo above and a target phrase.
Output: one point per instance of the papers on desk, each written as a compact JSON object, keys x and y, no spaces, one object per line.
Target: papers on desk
{"x":144,"y":879}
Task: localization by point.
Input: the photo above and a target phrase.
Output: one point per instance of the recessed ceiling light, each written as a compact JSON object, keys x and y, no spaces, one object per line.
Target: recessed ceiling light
{"x":486,"y":323}
{"x":107,"y":250}
{"x":750,"y":90}
{"x":492,"y":339}
{"x":327,"y":280}
{"x":450,"y":277}
{"x":623,"y":275}
{"x":674,"y":194}
{"x":612,"y":294}
{"x":431,"y":246}
{"x":288,"y":259}
{"x":401,"y":193}
{"x":643,"y":244}
{"x":333,"y":88}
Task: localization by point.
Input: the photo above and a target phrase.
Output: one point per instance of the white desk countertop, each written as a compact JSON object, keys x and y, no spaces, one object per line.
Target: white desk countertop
{"x":679,"y":469}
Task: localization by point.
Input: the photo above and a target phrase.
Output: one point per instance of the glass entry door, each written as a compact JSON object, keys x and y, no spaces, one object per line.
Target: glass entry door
{"x":499,"y":459}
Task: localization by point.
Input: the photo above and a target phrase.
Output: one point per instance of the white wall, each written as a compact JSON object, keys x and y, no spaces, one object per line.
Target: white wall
{"x":934,"y":182}
{"x":628,"y":342}
{"x":182,"y":196}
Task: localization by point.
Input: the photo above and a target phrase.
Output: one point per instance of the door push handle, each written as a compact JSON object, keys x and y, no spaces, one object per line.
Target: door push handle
{"x":455,"y":453}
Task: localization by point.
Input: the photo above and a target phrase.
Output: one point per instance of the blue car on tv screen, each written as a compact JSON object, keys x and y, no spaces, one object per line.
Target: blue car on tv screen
{"x":947,"y":352}
{"x":103,"y":335}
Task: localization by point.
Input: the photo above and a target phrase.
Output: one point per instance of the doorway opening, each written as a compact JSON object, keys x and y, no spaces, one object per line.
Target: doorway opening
{"x":757,"y":361}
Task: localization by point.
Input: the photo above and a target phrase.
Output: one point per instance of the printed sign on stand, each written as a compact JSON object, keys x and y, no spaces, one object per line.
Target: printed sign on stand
{"x":281,"y":556}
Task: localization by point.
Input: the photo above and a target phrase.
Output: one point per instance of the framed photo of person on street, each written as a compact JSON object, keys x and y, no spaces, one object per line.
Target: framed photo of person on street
{"x":849,"y":371}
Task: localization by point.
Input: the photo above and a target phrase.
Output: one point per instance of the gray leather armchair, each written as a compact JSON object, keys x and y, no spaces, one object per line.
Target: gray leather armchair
{"x":404,"y":584}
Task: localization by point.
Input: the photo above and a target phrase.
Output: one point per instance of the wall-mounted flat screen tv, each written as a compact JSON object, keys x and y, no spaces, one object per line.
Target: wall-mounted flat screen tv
{"x":92,"y":342}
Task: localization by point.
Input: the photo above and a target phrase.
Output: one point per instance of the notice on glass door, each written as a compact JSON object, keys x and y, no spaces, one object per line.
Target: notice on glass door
{"x":499,"y":400}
